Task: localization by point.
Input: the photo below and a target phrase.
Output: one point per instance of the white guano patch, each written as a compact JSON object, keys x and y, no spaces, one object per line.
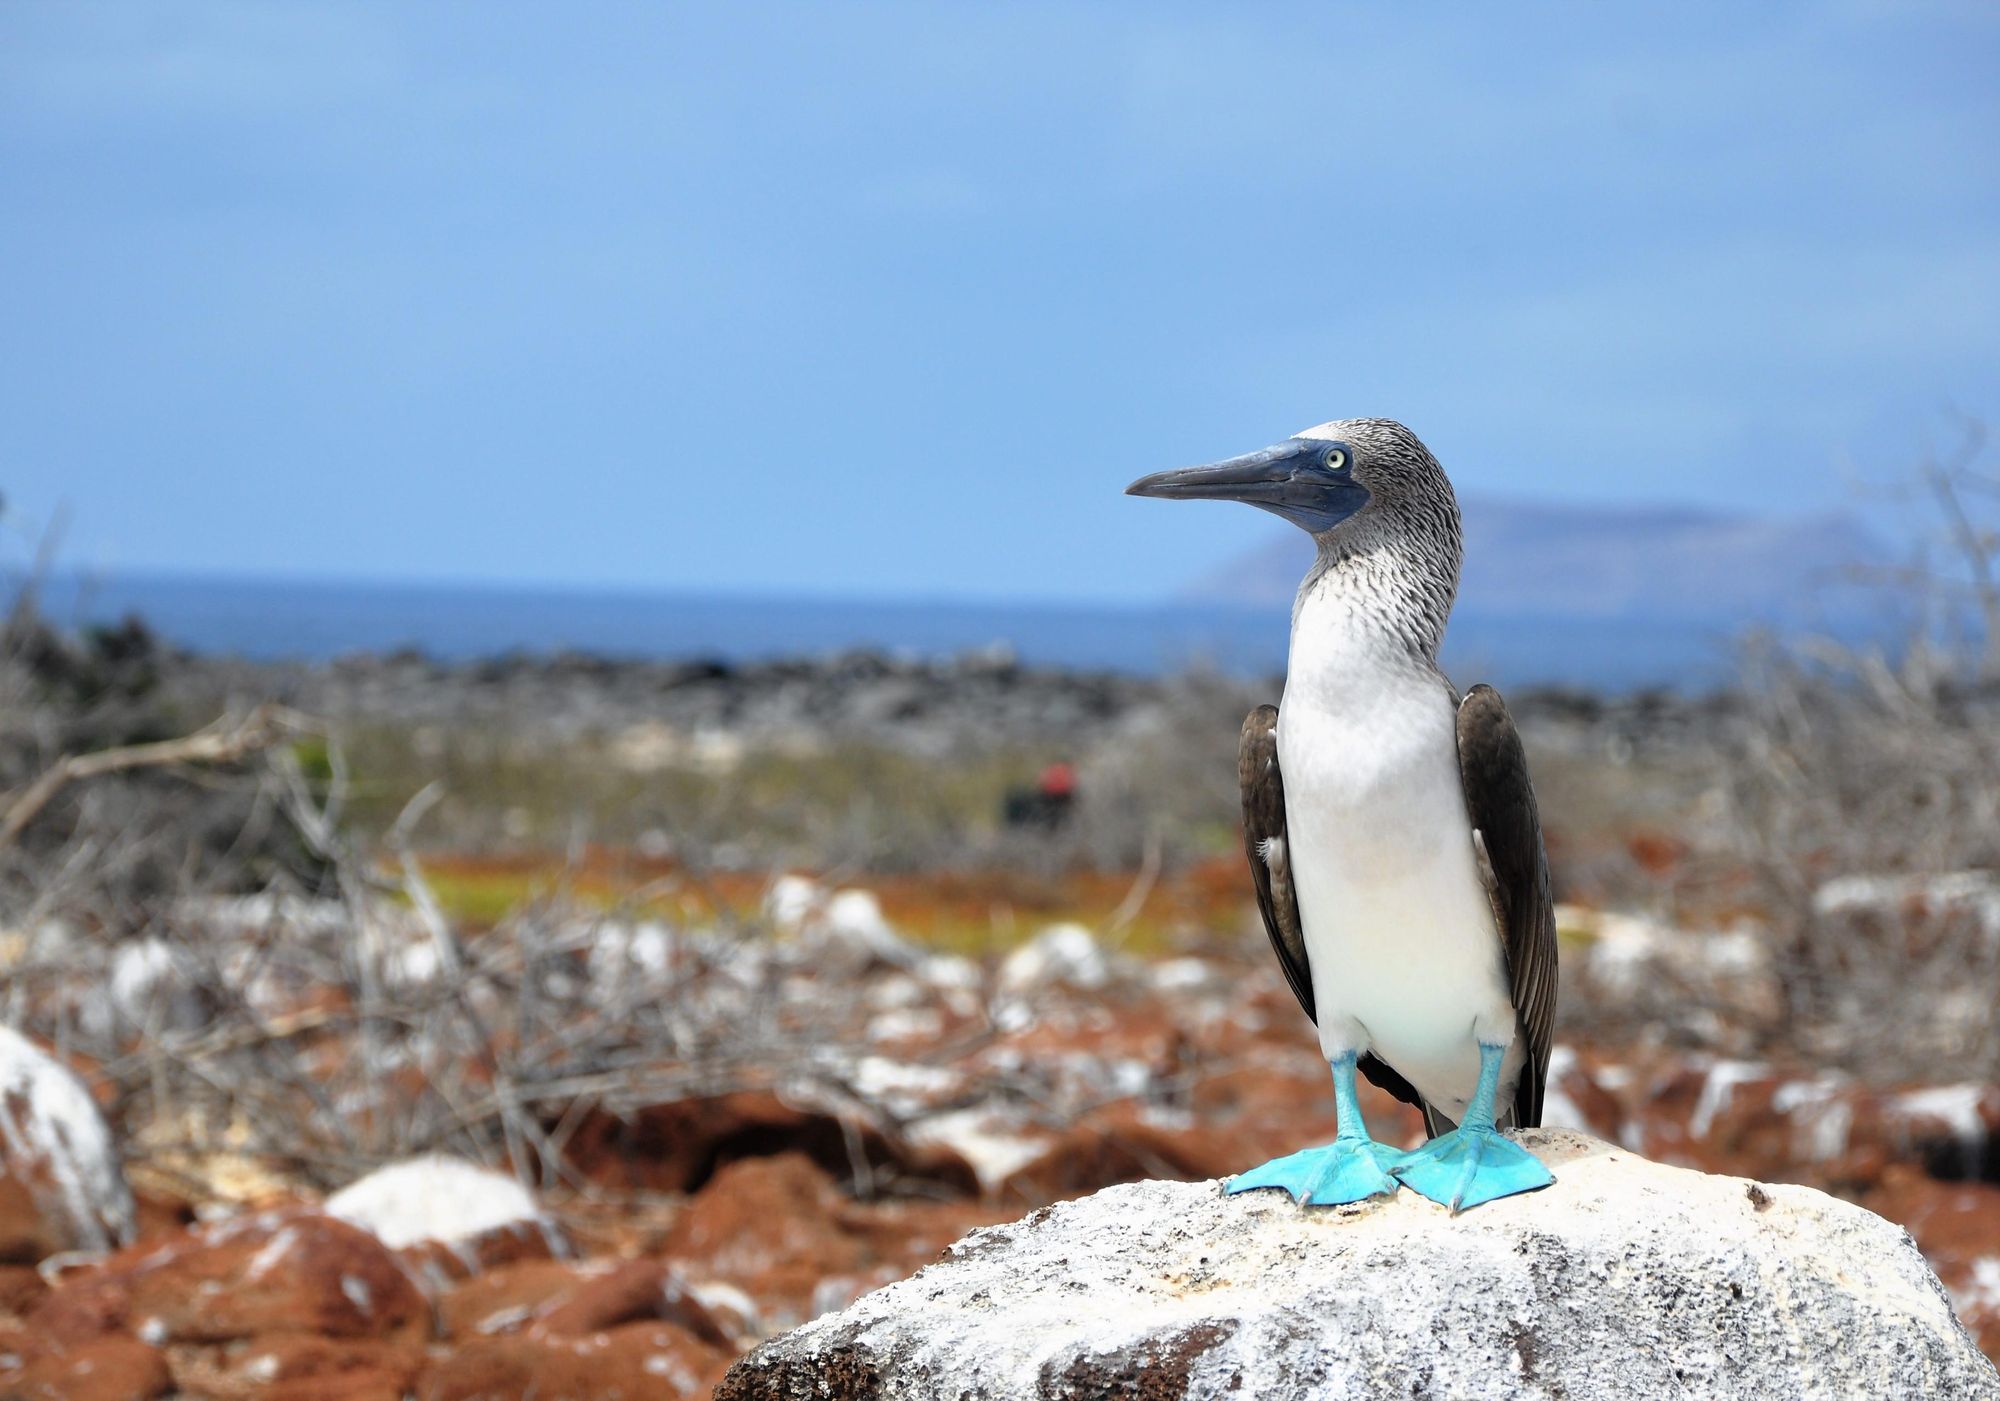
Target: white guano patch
{"x":995,"y":1148}
{"x":48,"y":1118}
{"x":1982,"y":1291}
{"x":1821,"y":1120}
{"x":1559,"y":1111}
{"x":1719,"y":1089}
{"x":273,"y":1252}
{"x":1062,"y":953}
{"x":719,"y":1297}
{"x":1181,"y":974}
{"x":1978,"y":891}
{"x":903,"y":1086}
{"x":1957,"y":1107}
{"x":358,"y":1293}
{"x":434,"y":1198}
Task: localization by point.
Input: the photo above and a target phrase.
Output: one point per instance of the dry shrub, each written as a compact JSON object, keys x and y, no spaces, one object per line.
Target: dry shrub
{"x":1865,"y":793}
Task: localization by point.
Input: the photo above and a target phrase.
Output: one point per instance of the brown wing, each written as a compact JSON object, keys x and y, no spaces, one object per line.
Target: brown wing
{"x":1506,"y":825}
{"x":1265,"y":843}
{"x":1263,"y":787}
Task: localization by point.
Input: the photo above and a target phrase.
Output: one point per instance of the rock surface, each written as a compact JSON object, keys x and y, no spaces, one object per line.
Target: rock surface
{"x":448,"y":1219}
{"x":274,"y":1272}
{"x":61,"y":1185}
{"x":1627,"y":1278}
{"x":435,"y":1198}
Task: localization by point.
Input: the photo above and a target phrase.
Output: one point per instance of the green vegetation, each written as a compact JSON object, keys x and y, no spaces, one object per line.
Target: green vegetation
{"x":848,"y":804}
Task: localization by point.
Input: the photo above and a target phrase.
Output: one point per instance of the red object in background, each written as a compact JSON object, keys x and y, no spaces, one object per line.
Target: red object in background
{"x":1047,"y":805}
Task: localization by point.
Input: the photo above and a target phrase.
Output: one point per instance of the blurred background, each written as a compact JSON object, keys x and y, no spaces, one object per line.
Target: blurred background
{"x":569,"y":609}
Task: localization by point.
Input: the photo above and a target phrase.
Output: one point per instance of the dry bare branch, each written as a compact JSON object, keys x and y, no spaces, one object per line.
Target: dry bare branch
{"x":229,"y":740}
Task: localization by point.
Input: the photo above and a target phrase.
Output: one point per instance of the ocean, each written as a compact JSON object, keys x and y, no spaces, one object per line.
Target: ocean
{"x":315,"y":621}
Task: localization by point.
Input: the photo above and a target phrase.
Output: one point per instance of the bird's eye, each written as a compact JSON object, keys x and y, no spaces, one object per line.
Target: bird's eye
{"x":1335,"y":459}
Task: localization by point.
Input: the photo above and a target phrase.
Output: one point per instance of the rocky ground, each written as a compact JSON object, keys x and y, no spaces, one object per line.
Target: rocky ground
{"x":473,"y":1042}
{"x":932,"y":705}
{"x":878,"y":1101}
{"x":887,"y":762}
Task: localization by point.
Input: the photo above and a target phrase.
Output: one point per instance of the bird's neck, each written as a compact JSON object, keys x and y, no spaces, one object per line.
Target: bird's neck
{"x":1376,"y":600}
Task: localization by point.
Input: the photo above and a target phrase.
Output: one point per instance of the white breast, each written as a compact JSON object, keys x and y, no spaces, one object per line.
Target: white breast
{"x":1398,"y":927}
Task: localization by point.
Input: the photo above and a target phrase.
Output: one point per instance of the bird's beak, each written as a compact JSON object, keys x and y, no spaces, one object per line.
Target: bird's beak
{"x":1289,"y":480}
{"x":1261,"y":478}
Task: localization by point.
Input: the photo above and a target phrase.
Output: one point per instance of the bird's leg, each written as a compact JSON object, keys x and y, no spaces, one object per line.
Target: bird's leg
{"x":1348,"y":1169}
{"x":1473,"y":1163}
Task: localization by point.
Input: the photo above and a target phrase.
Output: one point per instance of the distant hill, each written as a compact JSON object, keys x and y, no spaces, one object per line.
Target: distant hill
{"x":1678,"y":566}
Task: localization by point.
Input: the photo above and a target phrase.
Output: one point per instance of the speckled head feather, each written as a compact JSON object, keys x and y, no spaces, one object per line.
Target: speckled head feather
{"x":1398,"y":557}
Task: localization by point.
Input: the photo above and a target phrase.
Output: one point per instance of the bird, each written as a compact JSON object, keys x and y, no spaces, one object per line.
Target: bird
{"x":1391,"y":828}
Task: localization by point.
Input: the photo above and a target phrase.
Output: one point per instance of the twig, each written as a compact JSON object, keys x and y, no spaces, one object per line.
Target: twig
{"x":1141,"y":891}
{"x":224,"y":742}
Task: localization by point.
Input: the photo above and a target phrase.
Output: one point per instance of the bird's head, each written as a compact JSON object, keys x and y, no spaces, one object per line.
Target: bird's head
{"x":1321,"y":478}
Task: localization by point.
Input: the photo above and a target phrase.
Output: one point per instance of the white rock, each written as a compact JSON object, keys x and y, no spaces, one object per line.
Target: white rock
{"x":854,"y":922}
{"x":950,"y":971}
{"x":248,"y":916}
{"x":1958,"y":1107}
{"x":57,"y":1146}
{"x":1820,"y":1119}
{"x":905,"y":1024}
{"x":436,"y":1198}
{"x":1982,"y":1290}
{"x":398,"y":946}
{"x":856,"y":914}
{"x":897,"y":992}
{"x":739,"y":1316}
{"x":1719,"y":1089}
{"x":902,"y":1087}
{"x":1062,"y":953}
{"x":1977,"y":891}
{"x":147,"y":991}
{"x":1181,"y":974}
{"x":847,"y":924}
{"x":1559,"y":1111}
{"x":791,"y":900}
{"x":631,"y":957}
{"x":1625,"y":1279}
{"x":1631,"y":958}
{"x":49,"y":939}
{"x":996,"y":1145}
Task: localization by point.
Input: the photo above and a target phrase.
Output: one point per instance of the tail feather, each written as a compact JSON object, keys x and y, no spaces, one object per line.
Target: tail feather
{"x":1435,"y":1121}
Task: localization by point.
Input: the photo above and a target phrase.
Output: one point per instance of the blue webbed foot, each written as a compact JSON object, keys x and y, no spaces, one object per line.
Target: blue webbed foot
{"x":1345,"y":1170}
{"x":1473,"y":1163}
{"x":1470,"y":1165}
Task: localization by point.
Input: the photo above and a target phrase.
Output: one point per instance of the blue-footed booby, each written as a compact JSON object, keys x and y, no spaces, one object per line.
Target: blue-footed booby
{"x":1391,"y":828}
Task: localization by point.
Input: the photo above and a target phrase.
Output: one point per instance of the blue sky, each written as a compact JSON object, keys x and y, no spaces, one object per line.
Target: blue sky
{"x":894,"y":299}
